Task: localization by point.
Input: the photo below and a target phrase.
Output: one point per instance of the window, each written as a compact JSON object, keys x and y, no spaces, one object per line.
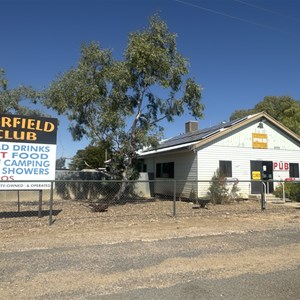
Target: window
{"x":165,"y":170}
{"x":225,"y":168}
{"x":294,"y":170}
{"x":141,"y":166}
{"x":144,"y":168}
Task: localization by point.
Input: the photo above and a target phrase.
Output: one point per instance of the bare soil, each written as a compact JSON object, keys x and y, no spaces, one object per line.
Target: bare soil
{"x":74,"y":222}
{"x":77,"y":226}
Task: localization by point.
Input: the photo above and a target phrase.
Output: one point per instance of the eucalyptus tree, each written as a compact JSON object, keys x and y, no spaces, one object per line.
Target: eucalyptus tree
{"x":123,"y":102}
{"x":16,"y":100}
{"x":284,"y":109}
{"x":91,"y":157}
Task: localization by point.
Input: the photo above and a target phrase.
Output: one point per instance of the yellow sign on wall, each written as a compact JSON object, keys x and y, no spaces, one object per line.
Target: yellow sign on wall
{"x":259,"y":140}
{"x":256,"y":175}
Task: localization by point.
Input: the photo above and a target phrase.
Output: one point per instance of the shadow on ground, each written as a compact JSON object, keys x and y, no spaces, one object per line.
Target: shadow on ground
{"x":27,"y":213}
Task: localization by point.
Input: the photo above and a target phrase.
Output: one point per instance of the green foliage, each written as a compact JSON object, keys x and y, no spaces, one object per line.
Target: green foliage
{"x":10,"y":99}
{"x":120,"y":102}
{"x":219,"y":191}
{"x":92,"y":157}
{"x":283,"y":108}
{"x":60,"y":163}
{"x":291,"y":189}
{"x":295,"y":192}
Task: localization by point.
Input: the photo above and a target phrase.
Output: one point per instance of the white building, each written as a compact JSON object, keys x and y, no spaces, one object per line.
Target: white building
{"x":250,"y":149}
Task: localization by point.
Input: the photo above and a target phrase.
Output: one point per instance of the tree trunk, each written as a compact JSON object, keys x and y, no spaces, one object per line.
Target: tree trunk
{"x":120,"y":193}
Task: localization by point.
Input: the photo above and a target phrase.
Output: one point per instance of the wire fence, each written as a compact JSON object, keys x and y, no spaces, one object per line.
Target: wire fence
{"x":113,"y":201}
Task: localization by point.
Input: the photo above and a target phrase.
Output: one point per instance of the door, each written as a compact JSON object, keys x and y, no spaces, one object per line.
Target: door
{"x":256,"y":168}
{"x":267,"y":174}
{"x":261,"y":170}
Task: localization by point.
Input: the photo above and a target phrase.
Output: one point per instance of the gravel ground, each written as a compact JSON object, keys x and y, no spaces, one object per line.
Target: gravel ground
{"x":139,"y":251}
{"x":67,"y":213}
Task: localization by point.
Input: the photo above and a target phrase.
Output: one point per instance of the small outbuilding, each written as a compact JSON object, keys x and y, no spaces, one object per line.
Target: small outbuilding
{"x":248,"y":150}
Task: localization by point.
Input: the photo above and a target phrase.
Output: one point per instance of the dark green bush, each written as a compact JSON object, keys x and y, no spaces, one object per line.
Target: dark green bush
{"x":291,"y":189}
{"x":295,"y":191}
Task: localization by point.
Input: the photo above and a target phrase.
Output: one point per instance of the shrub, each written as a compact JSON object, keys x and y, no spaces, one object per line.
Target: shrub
{"x":218,"y":192}
{"x":291,"y":189}
{"x":295,"y":191}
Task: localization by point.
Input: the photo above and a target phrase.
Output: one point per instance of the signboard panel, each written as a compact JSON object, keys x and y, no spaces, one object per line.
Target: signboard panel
{"x":281,"y":166}
{"x":256,"y":175}
{"x":27,"y":151}
{"x":259,"y":141}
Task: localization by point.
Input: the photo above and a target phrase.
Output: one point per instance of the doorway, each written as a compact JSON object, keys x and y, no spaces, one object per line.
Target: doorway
{"x":261,"y":170}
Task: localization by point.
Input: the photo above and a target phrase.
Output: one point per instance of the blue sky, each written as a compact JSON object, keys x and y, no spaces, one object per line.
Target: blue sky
{"x":239,"y":51}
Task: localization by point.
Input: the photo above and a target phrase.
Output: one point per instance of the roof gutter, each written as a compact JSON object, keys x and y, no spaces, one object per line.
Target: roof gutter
{"x":167,"y":149}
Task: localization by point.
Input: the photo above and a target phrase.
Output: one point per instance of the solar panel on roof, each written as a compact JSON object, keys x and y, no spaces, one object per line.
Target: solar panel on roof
{"x":198,"y":135}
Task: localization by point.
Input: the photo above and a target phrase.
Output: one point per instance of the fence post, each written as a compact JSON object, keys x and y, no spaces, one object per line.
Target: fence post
{"x":51,"y":204}
{"x":263,"y":195}
{"x":40,"y":203}
{"x":174,"y":199}
{"x":18,"y":201}
{"x":283,"y":192}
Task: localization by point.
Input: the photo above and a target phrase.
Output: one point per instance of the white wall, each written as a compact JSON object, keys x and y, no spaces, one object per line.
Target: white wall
{"x":238,"y":149}
{"x":185,"y":165}
{"x":243,"y":138}
{"x":236,"y":146}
